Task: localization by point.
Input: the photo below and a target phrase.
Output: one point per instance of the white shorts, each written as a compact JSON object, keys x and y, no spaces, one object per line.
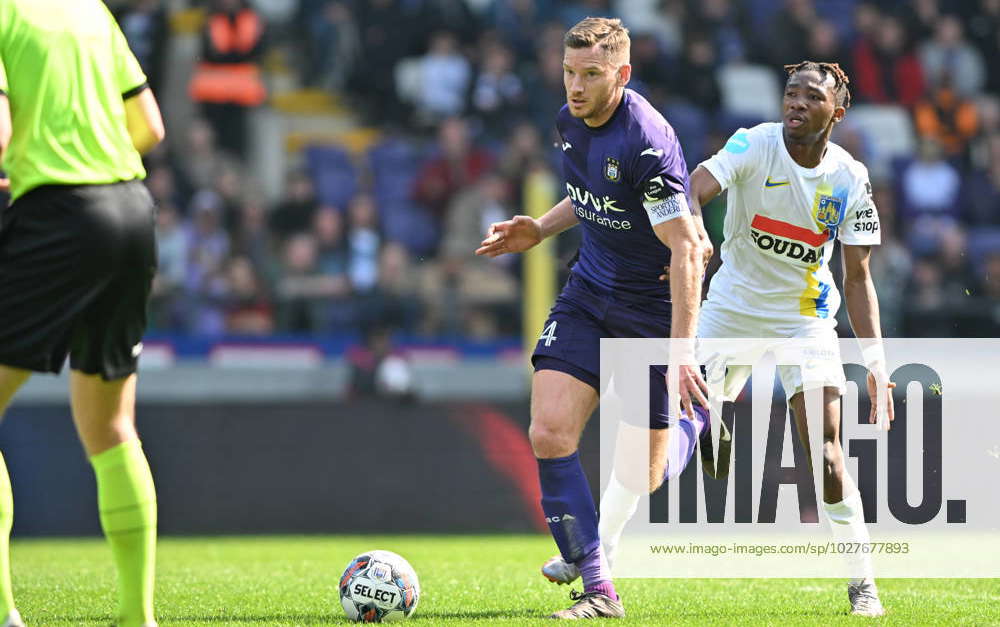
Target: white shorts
{"x":815,"y":347}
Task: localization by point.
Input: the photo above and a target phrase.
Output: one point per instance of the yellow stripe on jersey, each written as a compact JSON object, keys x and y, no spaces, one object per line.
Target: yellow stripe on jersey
{"x":807,"y":302}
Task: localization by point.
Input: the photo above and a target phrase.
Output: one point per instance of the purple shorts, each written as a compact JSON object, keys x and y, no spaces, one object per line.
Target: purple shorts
{"x":571,"y":338}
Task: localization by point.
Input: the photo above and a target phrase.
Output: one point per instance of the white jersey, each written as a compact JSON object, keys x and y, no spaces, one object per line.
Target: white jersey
{"x":781,"y":221}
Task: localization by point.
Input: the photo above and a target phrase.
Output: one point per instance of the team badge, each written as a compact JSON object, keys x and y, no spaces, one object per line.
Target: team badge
{"x":829,"y":210}
{"x":612,"y":170}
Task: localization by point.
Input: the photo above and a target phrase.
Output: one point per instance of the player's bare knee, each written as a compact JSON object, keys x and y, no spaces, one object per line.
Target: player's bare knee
{"x":833,"y":459}
{"x":548,"y":440}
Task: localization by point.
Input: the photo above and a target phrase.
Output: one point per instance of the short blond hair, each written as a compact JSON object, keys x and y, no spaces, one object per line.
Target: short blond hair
{"x":608,"y":32}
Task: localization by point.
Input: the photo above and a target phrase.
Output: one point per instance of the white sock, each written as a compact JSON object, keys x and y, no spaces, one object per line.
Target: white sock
{"x":618,"y":505}
{"x":847,"y":519}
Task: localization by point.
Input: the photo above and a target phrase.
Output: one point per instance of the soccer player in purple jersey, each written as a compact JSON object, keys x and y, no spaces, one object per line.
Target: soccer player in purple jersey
{"x":627,"y":186}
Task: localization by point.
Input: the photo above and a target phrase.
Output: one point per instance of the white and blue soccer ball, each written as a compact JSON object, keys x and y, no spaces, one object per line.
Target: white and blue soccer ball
{"x":379,"y":586}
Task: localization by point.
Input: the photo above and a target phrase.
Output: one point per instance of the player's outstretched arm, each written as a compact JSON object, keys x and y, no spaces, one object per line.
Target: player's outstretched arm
{"x":681,"y":235}
{"x":145,"y":124}
{"x":523,"y":232}
{"x":862,"y":309}
{"x":704,"y":188}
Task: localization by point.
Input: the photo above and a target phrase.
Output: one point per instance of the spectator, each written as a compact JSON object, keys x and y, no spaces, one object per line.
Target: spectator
{"x":364,"y":242}
{"x":947,"y":118}
{"x":922,"y":18}
{"x":523,"y":150}
{"x":650,"y":69}
{"x":453,"y":16}
{"x":227,"y":81}
{"x":982,"y":190}
{"x":328,"y":227}
{"x":498,"y":93}
{"x":984,"y":24}
{"x":695,"y":76}
{"x":385,"y":37}
{"x":930,"y":187}
{"x":519,"y":23}
{"x":208,"y":248}
{"x":144,"y":24}
{"x":332,"y":44}
{"x":546,"y":94}
{"x":891,"y":266}
{"x":726,"y":27}
{"x":393,"y":303}
{"x":885,"y":71}
{"x":304,"y":292}
{"x":445,"y":75}
{"x":247,"y":309}
{"x":294,"y":213}
{"x":824,"y":45}
{"x":199,"y":163}
{"x":982,"y":145}
{"x":949,"y":61}
{"x":172,"y":259}
{"x":458,"y":163}
{"x":789,"y":32}
{"x":252,"y":240}
{"x":487,"y":291}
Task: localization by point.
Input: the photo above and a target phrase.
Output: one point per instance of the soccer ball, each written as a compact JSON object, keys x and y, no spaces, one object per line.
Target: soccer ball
{"x":379,"y":586}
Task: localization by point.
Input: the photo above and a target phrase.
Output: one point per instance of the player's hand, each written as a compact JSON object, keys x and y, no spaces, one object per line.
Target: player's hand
{"x":4,"y":184}
{"x":511,"y":236}
{"x":691,"y":387}
{"x":876,"y":380}
{"x":707,"y":250}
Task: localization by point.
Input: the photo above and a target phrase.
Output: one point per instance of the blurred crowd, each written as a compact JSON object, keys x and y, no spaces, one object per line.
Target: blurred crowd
{"x":463,"y":94}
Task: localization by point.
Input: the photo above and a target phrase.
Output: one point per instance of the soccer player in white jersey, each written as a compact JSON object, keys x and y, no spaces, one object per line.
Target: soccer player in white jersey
{"x":792,"y":192}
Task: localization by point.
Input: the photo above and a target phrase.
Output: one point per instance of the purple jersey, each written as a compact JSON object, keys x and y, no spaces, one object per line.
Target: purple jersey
{"x":622,"y":178}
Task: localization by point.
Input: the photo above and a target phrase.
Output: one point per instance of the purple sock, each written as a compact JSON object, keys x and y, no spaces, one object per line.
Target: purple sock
{"x":597,"y":574}
{"x":569,"y":506}
{"x":681,"y":450}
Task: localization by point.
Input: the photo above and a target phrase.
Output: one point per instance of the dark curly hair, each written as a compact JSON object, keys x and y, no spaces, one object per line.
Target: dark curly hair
{"x":840,"y":80}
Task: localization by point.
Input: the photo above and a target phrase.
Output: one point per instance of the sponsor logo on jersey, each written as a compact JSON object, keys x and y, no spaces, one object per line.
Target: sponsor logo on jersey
{"x":612,"y":170}
{"x":789,"y":242}
{"x":829,"y":210}
{"x":586,"y":198}
{"x":738,"y":143}
{"x":770,"y":183}
{"x":594,"y":208}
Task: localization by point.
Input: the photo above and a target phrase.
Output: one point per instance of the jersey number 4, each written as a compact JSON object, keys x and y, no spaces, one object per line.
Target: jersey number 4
{"x":549,"y":334}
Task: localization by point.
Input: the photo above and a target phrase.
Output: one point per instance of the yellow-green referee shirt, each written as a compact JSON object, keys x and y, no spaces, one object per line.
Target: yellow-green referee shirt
{"x":66,"y":68}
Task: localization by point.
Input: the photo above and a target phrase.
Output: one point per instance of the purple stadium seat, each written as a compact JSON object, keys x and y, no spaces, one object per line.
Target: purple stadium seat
{"x":333,"y":174}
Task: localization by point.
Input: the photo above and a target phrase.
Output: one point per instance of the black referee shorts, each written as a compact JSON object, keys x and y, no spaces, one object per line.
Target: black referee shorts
{"x":76,"y":268}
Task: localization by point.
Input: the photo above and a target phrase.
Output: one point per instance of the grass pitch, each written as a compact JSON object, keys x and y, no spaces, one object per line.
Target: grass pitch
{"x":276,"y":580}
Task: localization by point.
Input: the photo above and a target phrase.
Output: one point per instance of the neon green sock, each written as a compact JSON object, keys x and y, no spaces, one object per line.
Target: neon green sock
{"x":126,"y":498}
{"x":6,"y":522}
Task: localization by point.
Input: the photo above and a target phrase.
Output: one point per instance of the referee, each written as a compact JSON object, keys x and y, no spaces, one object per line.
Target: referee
{"x":77,"y":257}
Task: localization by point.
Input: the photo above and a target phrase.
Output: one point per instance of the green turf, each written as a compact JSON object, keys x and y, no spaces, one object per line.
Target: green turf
{"x":465,"y":579}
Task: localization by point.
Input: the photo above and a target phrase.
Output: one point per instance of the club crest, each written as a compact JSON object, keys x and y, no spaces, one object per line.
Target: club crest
{"x":829,"y":210}
{"x":612,"y":170}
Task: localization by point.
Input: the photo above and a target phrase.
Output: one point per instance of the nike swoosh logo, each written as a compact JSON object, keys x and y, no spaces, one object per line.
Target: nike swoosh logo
{"x":770,"y":183}
{"x":651,"y":152}
{"x":566,"y":146}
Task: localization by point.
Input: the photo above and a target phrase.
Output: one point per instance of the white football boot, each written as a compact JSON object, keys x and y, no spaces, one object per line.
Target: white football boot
{"x":864,"y":599}
{"x":13,"y":620}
